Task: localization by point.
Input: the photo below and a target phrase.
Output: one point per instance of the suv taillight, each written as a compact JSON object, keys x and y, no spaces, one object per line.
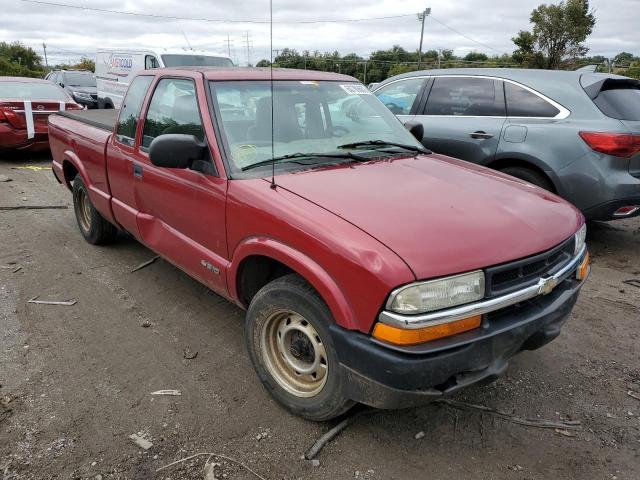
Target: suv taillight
{"x":616,"y":144}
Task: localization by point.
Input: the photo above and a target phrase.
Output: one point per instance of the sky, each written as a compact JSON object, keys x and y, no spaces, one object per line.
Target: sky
{"x":486,"y":27}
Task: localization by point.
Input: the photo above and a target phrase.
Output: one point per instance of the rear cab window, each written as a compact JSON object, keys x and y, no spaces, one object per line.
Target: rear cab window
{"x":130,"y":111}
{"x":469,"y":97}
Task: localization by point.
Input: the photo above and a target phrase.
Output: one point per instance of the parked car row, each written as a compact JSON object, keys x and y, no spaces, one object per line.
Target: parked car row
{"x":576,"y":134}
{"x":371,"y":269}
{"x":80,"y":84}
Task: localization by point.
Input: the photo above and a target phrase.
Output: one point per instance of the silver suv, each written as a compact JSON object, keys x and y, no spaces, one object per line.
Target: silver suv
{"x":574,"y":133}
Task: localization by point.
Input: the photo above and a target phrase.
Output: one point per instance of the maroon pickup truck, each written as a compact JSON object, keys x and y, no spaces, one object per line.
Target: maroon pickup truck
{"x":371,"y":269}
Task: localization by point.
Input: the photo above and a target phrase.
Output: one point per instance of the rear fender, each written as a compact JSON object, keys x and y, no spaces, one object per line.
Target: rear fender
{"x":519,"y":159}
{"x":100,"y":200}
{"x":300,"y":263}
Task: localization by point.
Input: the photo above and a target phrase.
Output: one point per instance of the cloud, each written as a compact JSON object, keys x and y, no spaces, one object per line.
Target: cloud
{"x":71,"y":33}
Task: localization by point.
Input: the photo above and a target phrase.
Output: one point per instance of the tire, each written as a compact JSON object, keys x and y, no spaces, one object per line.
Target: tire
{"x":529,"y":175}
{"x":289,"y":309}
{"x":94,"y":228}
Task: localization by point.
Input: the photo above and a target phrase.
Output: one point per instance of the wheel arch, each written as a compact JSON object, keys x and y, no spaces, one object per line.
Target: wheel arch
{"x":531,"y":163}
{"x":256,"y":254}
{"x":71,"y":166}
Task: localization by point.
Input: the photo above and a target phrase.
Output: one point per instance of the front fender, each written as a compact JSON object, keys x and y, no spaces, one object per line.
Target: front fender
{"x":301,"y":264}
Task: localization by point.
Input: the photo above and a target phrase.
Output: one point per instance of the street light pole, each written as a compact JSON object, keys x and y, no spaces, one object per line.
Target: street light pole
{"x":421,"y":17}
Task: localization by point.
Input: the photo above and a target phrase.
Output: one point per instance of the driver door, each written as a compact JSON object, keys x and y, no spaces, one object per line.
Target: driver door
{"x":181,"y":211}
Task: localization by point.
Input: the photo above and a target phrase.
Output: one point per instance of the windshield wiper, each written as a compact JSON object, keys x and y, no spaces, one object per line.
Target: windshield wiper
{"x":297,"y":156}
{"x":384,"y":143}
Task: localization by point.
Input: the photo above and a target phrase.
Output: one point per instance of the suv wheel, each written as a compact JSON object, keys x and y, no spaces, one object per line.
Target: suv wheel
{"x":292,"y":351}
{"x":529,"y":175}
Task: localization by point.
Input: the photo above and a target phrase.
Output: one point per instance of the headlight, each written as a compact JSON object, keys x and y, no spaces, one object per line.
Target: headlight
{"x":580,"y":236}
{"x":436,"y":294}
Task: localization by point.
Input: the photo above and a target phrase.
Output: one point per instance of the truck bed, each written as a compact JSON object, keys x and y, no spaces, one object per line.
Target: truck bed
{"x":102,"y":119}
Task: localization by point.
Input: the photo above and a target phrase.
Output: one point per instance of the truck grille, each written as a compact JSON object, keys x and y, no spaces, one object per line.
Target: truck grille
{"x":512,"y":276}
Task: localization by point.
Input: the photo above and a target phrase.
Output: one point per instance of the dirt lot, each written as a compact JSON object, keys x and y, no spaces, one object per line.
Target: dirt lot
{"x":76,"y":380}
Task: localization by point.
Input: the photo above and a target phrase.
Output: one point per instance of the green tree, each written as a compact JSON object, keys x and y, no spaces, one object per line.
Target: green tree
{"x":526,"y":55}
{"x":624,"y":58}
{"x":559,"y":32}
{"x":17,"y":59}
{"x":476,"y":57}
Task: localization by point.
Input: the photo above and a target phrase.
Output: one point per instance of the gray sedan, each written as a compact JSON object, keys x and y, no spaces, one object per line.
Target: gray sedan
{"x":574,"y":133}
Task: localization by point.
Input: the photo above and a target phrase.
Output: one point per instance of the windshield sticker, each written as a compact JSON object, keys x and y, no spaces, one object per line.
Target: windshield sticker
{"x":355,"y":89}
{"x":309,"y":82}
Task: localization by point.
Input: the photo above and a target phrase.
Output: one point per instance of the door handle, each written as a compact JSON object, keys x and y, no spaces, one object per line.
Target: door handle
{"x":480,"y":135}
{"x":137,"y":170}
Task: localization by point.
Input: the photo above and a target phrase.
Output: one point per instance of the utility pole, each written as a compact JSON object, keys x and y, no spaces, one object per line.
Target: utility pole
{"x":44,"y":47}
{"x":422,"y":16}
{"x":228,"y":42}
{"x":365,"y":73}
{"x":247,"y":40}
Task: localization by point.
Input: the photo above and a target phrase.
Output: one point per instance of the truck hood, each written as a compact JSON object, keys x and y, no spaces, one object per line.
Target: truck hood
{"x":440,"y":215}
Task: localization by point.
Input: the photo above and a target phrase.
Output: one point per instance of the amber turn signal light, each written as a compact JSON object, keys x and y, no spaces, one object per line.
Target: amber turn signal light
{"x":401,"y":336}
{"x":583,"y":269}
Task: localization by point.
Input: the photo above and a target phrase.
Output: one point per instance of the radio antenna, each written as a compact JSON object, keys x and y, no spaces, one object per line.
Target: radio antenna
{"x":273,"y":161}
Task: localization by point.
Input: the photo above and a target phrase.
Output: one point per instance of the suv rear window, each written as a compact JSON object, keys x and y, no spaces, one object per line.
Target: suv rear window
{"x":523,"y":103}
{"x":621,"y":102}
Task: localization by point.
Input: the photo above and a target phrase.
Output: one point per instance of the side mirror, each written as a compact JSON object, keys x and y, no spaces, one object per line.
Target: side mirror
{"x":62,"y":85}
{"x":175,"y":150}
{"x":416,"y":129}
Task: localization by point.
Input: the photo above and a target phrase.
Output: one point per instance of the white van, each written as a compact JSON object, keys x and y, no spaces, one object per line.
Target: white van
{"x":116,"y":68}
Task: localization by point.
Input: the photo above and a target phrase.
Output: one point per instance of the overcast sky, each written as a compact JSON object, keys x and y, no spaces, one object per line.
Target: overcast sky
{"x":70,"y":33}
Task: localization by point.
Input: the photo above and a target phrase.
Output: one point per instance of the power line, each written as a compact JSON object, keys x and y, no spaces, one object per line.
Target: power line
{"x":214,"y":20}
{"x":462,"y":34}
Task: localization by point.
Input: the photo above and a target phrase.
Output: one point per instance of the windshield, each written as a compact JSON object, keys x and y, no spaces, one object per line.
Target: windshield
{"x":195,"y":61}
{"x":79,"y":79}
{"x":31,"y":91}
{"x":310,"y":117}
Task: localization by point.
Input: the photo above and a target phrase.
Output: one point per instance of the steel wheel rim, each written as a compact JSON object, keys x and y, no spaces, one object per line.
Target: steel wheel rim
{"x":84,"y":210}
{"x":294,"y":353}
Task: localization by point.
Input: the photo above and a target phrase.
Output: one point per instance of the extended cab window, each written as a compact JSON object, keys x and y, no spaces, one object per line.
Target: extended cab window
{"x":173,"y":109}
{"x":399,"y":96}
{"x":523,"y":103}
{"x":470,"y":97}
{"x":130,"y":111}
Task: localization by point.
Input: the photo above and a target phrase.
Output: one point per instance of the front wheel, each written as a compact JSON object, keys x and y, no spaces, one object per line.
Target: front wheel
{"x":292,"y":351}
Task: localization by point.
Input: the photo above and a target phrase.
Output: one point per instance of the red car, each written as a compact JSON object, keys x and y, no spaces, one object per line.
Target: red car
{"x":25,"y":106}
{"x":371,"y":269}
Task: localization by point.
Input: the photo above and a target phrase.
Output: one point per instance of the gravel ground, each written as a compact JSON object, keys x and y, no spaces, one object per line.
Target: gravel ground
{"x":76,"y":380}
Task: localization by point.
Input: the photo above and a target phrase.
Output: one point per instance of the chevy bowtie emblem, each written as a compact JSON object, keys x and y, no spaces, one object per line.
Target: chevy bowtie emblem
{"x":40,"y":107}
{"x":546,"y":285}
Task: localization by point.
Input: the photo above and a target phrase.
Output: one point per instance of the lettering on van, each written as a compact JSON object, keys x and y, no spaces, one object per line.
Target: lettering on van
{"x":119,"y":65}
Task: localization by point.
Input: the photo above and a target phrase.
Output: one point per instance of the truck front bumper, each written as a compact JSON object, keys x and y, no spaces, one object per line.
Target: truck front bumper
{"x":387,"y":376}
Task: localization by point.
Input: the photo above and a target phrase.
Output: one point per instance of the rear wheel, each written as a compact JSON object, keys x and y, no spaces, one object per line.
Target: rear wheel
{"x":94,"y":228}
{"x":292,"y":351}
{"x":529,"y":175}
